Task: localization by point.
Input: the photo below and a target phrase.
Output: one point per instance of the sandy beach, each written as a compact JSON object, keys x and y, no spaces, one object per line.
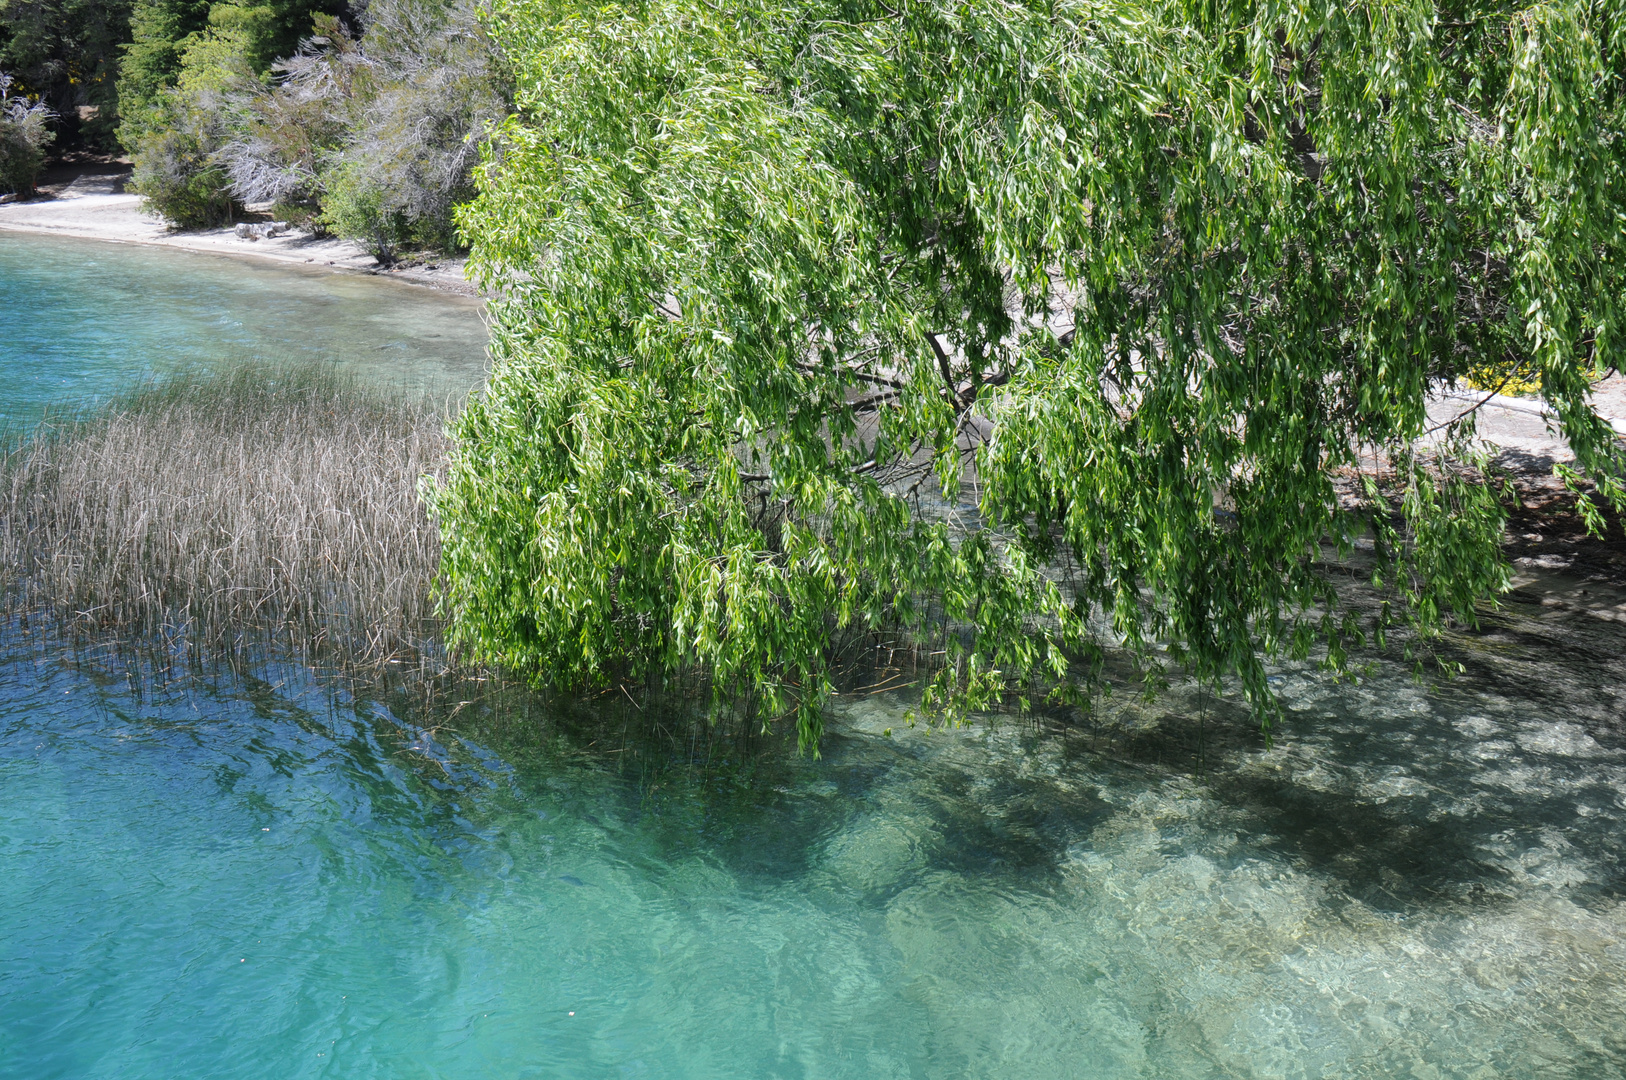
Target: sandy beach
{"x":91,"y":204}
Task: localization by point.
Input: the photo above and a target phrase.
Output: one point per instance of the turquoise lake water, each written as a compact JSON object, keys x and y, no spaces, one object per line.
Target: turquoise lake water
{"x":80,"y":319}
{"x":266,"y":877}
{"x":271,"y":874}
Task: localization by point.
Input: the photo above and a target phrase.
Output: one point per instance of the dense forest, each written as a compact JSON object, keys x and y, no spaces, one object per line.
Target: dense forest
{"x":362,"y":119}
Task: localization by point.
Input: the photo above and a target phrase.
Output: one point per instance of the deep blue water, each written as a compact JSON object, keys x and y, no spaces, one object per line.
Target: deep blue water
{"x":270,"y":875}
{"x":80,"y":319}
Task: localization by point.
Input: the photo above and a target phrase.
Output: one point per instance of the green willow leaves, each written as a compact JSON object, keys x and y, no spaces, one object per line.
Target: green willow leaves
{"x":1027,"y":325}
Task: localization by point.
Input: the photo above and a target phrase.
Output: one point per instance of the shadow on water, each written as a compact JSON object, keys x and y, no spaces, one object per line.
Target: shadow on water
{"x":1408,"y":793}
{"x":1399,"y":806}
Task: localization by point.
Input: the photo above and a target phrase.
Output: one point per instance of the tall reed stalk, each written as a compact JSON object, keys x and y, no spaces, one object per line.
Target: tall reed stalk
{"x":216,"y":510}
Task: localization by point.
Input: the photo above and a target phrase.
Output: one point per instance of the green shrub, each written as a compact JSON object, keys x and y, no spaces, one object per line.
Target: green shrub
{"x":291,"y":133}
{"x":24,"y":135}
{"x":381,"y":131}
{"x":175,"y":172}
{"x":361,"y":211}
{"x":176,"y":140}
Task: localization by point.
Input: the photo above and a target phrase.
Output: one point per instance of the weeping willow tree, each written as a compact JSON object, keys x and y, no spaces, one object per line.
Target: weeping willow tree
{"x":1039,"y":322}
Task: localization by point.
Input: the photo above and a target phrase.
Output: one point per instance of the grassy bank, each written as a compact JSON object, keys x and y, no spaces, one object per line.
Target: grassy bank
{"x":227,"y":510}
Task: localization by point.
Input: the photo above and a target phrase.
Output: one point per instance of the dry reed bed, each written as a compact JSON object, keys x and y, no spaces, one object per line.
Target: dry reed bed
{"x":220,"y":509}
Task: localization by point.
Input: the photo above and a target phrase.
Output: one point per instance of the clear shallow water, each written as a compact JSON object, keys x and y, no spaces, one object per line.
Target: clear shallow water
{"x":81,"y":319}
{"x":266,"y":878}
